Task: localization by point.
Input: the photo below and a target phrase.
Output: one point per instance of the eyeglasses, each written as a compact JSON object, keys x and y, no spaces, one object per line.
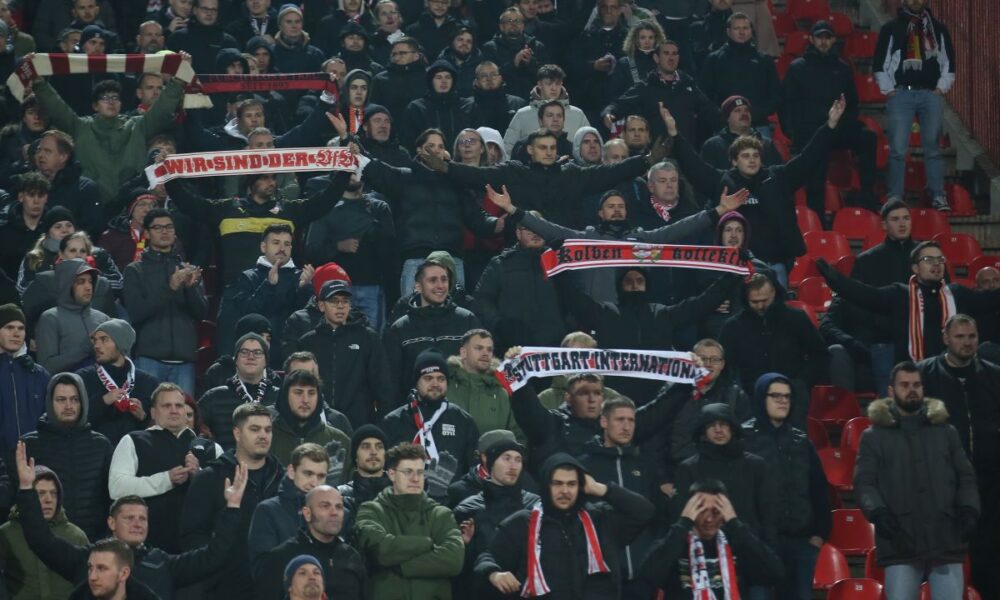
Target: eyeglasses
{"x":167,"y":228}
{"x":488,"y":76}
{"x":933,"y":260}
{"x":511,"y":21}
{"x":248,"y":353}
{"x":110,"y":99}
{"x":777,"y":396}
{"x":412,"y":473}
{"x":467,"y":141}
{"x":712,"y":360}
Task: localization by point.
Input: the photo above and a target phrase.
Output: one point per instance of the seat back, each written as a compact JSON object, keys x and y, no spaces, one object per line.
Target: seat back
{"x":855,"y":589}
{"x":851,"y":532}
{"x":850,"y":437}
{"x":831,"y":567}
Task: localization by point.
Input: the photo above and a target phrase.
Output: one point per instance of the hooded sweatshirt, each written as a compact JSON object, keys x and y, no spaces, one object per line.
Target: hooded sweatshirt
{"x":63,"y":332}
{"x":447,"y":112}
{"x":526,"y":119}
{"x":578,"y":141}
{"x":290,"y":432}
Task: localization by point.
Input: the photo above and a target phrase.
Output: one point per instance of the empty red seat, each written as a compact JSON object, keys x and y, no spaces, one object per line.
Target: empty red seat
{"x":868,"y":90}
{"x":830,"y":245}
{"x":960,"y":249}
{"x":856,"y":223}
{"x":842,"y":24}
{"x":809,"y":310}
{"x":861,"y":45}
{"x":833,"y":405}
{"x":817,"y":434}
{"x":804,"y":266}
{"x":809,"y":10}
{"x":960,"y":200}
{"x":872,"y":568}
{"x":797,"y":43}
{"x":831,"y":567}
{"x":851,"y":532}
{"x":983,"y":261}
{"x":855,"y":589}
{"x":784,"y":24}
{"x":850,"y":437}
{"x":915,"y":177}
{"x":928,"y":223}
{"x":807,"y":219}
{"x":815,"y":292}
{"x":782,"y":64}
{"x":845,"y":265}
{"x":838,"y":465}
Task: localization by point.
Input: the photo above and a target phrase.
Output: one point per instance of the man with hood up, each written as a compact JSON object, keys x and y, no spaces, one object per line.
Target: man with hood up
{"x":25,"y":575}
{"x":300,"y":419}
{"x":803,"y":514}
{"x":721,"y":456}
{"x":352,"y":48}
{"x":447,"y":433}
{"x":566,"y":548}
{"x":588,"y":147}
{"x":63,"y":333}
{"x":440,"y":108}
{"x":81,"y":457}
{"x":355,"y":91}
{"x":412,"y":543}
{"x":464,"y":54}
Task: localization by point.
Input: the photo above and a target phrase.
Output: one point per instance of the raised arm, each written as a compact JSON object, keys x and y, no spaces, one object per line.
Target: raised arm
{"x":61,"y":116}
{"x":304,"y":211}
{"x":160,"y":115}
{"x":702,"y":175}
{"x":538,"y":424}
{"x":878,"y":299}
{"x":793,"y":174}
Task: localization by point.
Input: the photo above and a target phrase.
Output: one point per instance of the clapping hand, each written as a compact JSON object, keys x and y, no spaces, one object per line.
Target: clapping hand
{"x":233,"y":490}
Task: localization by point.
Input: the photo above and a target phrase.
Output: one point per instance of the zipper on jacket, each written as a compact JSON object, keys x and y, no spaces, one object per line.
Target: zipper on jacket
{"x":621,"y":482}
{"x":17,"y":410}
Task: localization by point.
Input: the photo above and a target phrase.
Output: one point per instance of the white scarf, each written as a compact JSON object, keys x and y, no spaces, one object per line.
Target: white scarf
{"x":425,"y":435}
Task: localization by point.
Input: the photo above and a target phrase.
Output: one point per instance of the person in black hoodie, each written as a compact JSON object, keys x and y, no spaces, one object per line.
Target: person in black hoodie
{"x":770,"y":210}
{"x":803,"y":515}
{"x":352,"y":48}
{"x":352,"y":362}
{"x":440,"y":108}
{"x":446,"y":432}
{"x":434,"y":28}
{"x":464,"y":54}
{"x":492,"y":105}
{"x":566,"y":548}
{"x":368,"y":477}
{"x":403,"y":80}
{"x":709,"y":519}
{"x":518,"y":55}
{"x":203,"y":505}
{"x":81,"y":457}
{"x":721,"y":455}
{"x":203,"y":37}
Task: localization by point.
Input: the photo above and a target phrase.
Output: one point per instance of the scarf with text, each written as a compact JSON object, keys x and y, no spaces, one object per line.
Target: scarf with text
{"x":514,"y":373}
{"x":236,"y":384}
{"x":701,"y":583}
{"x":916,"y":324}
{"x":425,"y":434}
{"x":534,"y":584}
{"x":109,"y":383}
{"x":592,"y":254}
{"x":921,"y":43}
{"x":247,"y":162}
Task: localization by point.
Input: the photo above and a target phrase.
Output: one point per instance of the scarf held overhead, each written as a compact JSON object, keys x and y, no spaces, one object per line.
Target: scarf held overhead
{"x":246,"y":162}
{"x":592,"y":254}
{"x":514,"y":373}
{"x":916,"y":324}
{"x":535,"y":584}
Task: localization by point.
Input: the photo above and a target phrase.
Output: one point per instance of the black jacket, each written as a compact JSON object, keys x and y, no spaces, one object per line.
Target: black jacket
{"x":355,"y":493}
{"x":252,"y":292}
{"x":430,"y":212}
{"x":216,"y":408}
{"x":366,"y":219}
{"x":889,"y":65}
{"x":517,"y":302}
{"x":424,"y":327}
{"x":739,"y":69}
{"x":618,"y":517}
{"x":298,"y":324}
{"x":447,"y":112}
{"x":590,"y":87}
{"x":683,"y":443}
{"x":161,"y":572}
{"x":15,"y":239}
{"x":495,"y":108}
{"x":344,"y":570}
{"x":202,"y":43}
{"x":886,"y":263}
{"x":913,"y":468}
{"x":397,"y":86}
{"x":241,"y":221}
{"x":81,"y":196}
{"x":433,"y":38}
{"x":519,"y":78}
{"x":715,"y":150}
{"x":203,"y":506}
{"x":352,"y":365}
{"x":682,"y":97}
{"x":108,"y":420}
{"x":810,"y":86}
{"x":242,"y":30}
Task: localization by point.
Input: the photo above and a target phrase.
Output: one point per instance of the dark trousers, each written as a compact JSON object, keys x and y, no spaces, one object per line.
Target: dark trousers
{"x":799,"y":558}
{"x":861,"y":142}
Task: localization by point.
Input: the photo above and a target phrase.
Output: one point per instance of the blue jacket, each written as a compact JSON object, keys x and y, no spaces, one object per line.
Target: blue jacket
{"x":22,"y":397}
{"x":276,"y":519}
{"x":254,"y":294}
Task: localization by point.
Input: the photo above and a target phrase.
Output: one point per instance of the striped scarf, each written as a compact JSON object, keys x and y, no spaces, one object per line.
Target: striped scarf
{"x":535,"y":584}
{"x":916,"y":325}
{"x":701,"y":582}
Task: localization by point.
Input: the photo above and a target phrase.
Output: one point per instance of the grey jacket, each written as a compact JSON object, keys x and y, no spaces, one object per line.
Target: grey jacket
{"x":165,"y":320}
{"x":63,"y":332}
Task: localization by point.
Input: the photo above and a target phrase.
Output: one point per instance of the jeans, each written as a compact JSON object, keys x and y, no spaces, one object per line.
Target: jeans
{"x":180,"y":373}
{"x":780,"y":273}
{"x":370,"y":300}
{"x":902,"y":582}
{"x":799,"y":558}
{"x":410,"y":267}
{"x":883,"y":359}
{"x":928,"y":107}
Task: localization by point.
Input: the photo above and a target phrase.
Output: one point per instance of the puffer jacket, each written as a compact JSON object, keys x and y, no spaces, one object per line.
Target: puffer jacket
{"x":22,"y":397}
{"x":447,"y":112}
{"x":291,"y":432}
{"x":356,"y":492}
{"x":25,"y":575}
{"x":216,"y":408}
{"x":276,"y":519}
{"x":63,"y":332}
{"x":397,"y":86}
{"x":740,"y":69}
{"x":202,"y":42}
{"x":914,"y":468}
{"x":165,"y":320}
{"x":482,"y":396}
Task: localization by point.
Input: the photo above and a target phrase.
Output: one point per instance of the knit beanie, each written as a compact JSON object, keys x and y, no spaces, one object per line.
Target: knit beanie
{"x":288,"y":8}
{"x":328,"y":272}
{"x":252,"y":323}
{"x":11,"y":312}
{"x":55,"y":215}
{"x":493,"y":452}
{"x":121,"y":332}
{"x":731,"y":103}
{"x":295,"y":563}
{"x":251,"y":336}
{"x":492,"y":437}
{"x":376,"y":109}
{"x":429,"y":361}
{"x":363,"y":433}
{"x":47,"y":473}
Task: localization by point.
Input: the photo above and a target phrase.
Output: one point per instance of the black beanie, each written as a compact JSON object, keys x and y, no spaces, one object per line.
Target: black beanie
{"x":55,"y":215}
{"x":429,"y":361}
{"x":363,"y":433}
{"x":252,"y":323}
{"x":495,"y":450}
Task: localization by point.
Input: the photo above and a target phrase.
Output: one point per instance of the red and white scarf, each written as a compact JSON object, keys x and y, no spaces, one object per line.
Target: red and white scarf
{"x":109,"y":383}
{"x":139,"y":240}
{"x":247,"y":162}
{"x":425,"y":434}
{"x":662,"y":210}
{"x":534,"y":584}
{"x":921,"y":43}
{"x":593,"y":254}
{"x":916,"y":325}
{"x":701,"y":581}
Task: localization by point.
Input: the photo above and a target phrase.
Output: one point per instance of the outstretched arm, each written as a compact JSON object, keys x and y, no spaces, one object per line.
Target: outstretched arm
{"x":702,"y":175}
{"x":548,"y":230}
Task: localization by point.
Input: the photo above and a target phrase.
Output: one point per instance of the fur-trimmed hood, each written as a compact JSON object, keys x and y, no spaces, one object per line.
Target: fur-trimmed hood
{"x":455,"y":362}
{"x":883,"y":412}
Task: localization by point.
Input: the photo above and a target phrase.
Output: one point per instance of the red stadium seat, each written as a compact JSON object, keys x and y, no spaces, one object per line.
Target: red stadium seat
{"x":833,"y":405}
{"x":960,"y":249}
{"x":928,"y":223}
{"x":830,"y":245}
{"x":842,"y":172}
{"x":831,"y":567}
{"x":838,"y":465}
{"x":873,"y":239}
{"x":783,"y":23}
{"x":983,"y":261}
{"x":803,"y":267}
{"x":970,"y":593}
{"x":817,"y":434}
{"x":882,"y":153}
{"x":808,"y":219}
{"x":782,"y":64}
{"x":872,"y":124}
{"x":915,"y":177}
{"x":868,"y":90}
{"x":797,"y":43}
{"x":872,"y":568}
{"x":845,"y":265}
{"x":842,"y":24}
{"x":856,"y":223}
{"x":960,"y":200}
{"x":809,"y":10}
{"x":809,"y":310}
{"x":855,"y":589}
{"x":834,"y":495}
{"x":861,"y":45}
{"x":850,"y":437}
{"x":815,"y":292}
{"x":851,"y":533}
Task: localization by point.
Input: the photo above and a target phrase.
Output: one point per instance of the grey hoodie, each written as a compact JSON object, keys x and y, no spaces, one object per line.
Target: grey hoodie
{"x":63,"y":332}
{"x":578,"y":141}
{"x":60,"y":378}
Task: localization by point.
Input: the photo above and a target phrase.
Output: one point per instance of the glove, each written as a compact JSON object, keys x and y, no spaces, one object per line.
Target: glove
{"x":824,"y":268}
{"x":658,"y":152}
{"x":886,"y":524}
{"x":967,"y":521}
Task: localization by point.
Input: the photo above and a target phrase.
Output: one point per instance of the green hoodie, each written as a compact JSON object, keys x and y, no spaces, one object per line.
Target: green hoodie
{"x":25,"y":576}
{"x":482,"y":396}
{"x":412,"y":544}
